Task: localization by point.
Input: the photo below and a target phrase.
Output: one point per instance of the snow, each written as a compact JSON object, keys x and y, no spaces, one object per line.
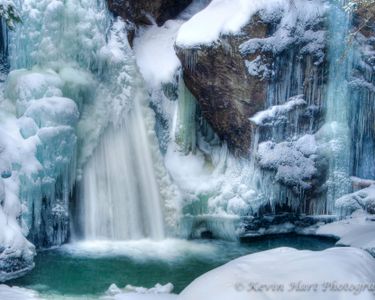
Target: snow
{"x":16,"y":293}
{"x":278,"y":111}
{"x":362,"y":199}
{"x":222,"y":17}
{"x":230,"y":16}
{"x":158,"y":292}
{"x":294,"y":23}
{"x":155,"y":54}
{"x":282,"y":270}
{"x":133,"y":296}
{"x":294,"y":161}
{"x":357,"y":230}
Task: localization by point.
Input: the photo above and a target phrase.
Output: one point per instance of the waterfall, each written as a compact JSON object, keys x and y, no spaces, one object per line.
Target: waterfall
{"x":120,"y":193}
{"x":84,"y":115}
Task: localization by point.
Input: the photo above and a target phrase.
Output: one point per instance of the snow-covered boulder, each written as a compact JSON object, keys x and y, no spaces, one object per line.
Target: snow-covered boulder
{"x":286,"y":273}
{"x":362,"y":199}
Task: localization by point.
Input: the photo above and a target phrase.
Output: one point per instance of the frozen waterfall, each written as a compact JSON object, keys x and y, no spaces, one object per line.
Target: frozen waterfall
{"x":82,"y":113}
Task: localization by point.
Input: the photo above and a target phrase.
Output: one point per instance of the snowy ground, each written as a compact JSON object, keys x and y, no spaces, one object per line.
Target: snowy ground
{"x":286,"y":273}
{"x":358,"y":231}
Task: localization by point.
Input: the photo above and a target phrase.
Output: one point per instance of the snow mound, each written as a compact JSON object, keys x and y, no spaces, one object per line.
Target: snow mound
{"x":222,"y":17}
{"x":287,"y":274}
{"x":155,"y":54}
{"x":358,"y":230}
{"x":16,"y":293}
{"x":362,"y":199}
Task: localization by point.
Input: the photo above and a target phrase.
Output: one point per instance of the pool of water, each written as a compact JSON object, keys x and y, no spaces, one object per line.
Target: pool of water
{"x":89,"y":268}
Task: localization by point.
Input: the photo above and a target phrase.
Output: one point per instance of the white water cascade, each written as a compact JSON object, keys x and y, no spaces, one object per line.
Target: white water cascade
{"x":120,"y":191}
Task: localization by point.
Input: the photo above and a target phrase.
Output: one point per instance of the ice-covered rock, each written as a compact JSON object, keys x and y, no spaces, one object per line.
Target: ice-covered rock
{"x":294,"y":162}
{"x":231,"y":68}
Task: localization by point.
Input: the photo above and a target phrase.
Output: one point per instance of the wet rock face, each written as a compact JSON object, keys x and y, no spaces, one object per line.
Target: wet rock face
{"x":142,"y":12}
{"x":227,"y":94}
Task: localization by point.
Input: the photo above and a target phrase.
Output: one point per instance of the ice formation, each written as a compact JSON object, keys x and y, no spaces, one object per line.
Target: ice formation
{"x":73,"y":87}
{"x":76,"y":123}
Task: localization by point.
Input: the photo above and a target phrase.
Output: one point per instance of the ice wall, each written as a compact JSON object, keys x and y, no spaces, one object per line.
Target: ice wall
{"x":72,"y":97}
{"x":313,"y":134}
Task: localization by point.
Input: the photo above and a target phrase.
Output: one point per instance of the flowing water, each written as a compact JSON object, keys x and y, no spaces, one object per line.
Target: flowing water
{"x":87,"y":269}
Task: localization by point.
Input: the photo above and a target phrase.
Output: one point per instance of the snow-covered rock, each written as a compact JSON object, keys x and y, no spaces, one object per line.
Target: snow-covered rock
{"x":243,"y":57}
{"x":362,"y":199}
{"x":294,"y":162}
{"x":287,"y":274}
{"x":158,"y":292}
{"x":278,"y":112}
{"x":358,"y":230}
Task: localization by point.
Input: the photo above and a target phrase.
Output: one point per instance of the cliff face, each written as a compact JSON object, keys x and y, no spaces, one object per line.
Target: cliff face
{"x":241,"y":74}
{"x":219,"y":79}
{"x":143,"y":11}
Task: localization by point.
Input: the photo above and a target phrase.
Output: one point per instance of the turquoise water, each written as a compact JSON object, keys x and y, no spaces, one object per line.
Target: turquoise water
{"x":90,"y":268}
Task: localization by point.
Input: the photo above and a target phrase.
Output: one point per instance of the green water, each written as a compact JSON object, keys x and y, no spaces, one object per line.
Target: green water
{"x":90,"y":268}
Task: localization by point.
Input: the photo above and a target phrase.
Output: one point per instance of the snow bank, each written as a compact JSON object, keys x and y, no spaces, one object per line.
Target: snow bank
{"x":362,"y":199}
{"x":289,"y":274}
{"x":230,"y":16}
{"x":154,"y":47}
{"x":155,"y":54}
{"x":222,"y":17}
{"x":16,"y":293}
{"x":358,"y":230}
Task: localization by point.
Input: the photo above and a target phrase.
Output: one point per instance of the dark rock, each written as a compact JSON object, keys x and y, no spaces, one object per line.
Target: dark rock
{"x":364,"y":19}
{"x":217,"y":76}
{"x":141,"y":12}
{"x":283,"y":223}
{"x":229,"y":94}
{"x":12,"y":265}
